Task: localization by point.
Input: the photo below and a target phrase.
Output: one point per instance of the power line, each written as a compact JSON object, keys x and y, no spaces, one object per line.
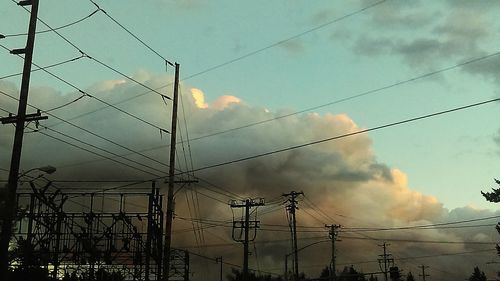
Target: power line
{"x":130,"y":33}
{"x":95,"y":153}
{"x":410,"y":120}
{"x":92,"y":96}
{"x":241,"y":57}
{"x":96,"y":60}
{"x":87,"y":131}
{"x":43,"y":67}
{"x":49,"y":30}
{"x":474,"y":60}
{"x":365,"y":93}
{"x":353,"y":229}
{"x":284,"y":40}
{"x":420,"y":241}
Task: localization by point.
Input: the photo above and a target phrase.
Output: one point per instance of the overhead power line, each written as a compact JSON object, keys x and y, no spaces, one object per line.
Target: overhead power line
{"x":353,"y":229}
{"x":50,"y":30}
{"x":321,"y":26}
{"x":43,"y":67}
{"x":96,"y":60}
{"x":238,"y":58}
{"x":388,"y":125}
{"x":420,"y":241}
{"x":93,"y":97}
{"x":86,"y":130}
{"x":362,"y":94}
{"x":369,"y":92}
{"x":131,"y":33}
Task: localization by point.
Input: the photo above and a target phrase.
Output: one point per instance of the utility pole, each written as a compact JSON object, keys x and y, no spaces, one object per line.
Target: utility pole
{"x":19,"y":121}
{"x":171,"y":172}
{"x":385,"y":260}
{"x":291,"y":207}
{"x":246,"y":225}
{"x":219,"y":260}
{"x":333,"y":234}
{"x":423,"y":267}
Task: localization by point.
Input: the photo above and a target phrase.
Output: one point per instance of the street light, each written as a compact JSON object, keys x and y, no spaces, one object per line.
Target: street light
{"x":46,"y":169}
{"x":299,"y":249}
{"x":9,"y":206}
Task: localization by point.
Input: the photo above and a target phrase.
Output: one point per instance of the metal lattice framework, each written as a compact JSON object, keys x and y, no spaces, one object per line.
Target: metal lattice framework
{"x":88,"y":233}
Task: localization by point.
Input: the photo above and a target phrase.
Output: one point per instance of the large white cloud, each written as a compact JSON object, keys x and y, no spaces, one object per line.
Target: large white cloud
{"x":342,"y":178}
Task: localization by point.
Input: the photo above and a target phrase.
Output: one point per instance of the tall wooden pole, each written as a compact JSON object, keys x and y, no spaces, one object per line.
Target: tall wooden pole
{"x":245,"y":243}
{"x":171,"y":173}
{"x":11,"y":189}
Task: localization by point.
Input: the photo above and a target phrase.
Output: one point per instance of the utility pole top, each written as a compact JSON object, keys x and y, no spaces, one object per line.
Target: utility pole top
{"x":293,"y":193}
{"x":242,"y":203}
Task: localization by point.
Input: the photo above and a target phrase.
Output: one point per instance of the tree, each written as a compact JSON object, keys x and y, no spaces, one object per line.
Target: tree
{"x":351,"y":274}
{"x":477,"y":275}
{"x":237,"y":275}
{"x":495,"y":198}
{"x":325,"y":273}
{"x":410,"y":277}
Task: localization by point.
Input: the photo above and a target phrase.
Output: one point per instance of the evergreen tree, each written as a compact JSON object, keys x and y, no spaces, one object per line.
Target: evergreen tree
{"x":237,"y":275}
{"x":350,"y":274}
{"x":495,"y":198}
{"x":477,"y":275}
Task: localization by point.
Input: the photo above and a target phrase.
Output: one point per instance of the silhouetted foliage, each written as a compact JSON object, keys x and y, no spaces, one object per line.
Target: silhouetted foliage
{"x":30,"y":273}
{"x":325,"y":273}
{"x":410,"y":277}
{"x":493,"y":196}
{"x":350,"y":274}
{"x":103,"y":275}
{"x":477,"y":275}
{"x":395,"y":274}
{"x":373,"y":278}
{"x":237,"y":275}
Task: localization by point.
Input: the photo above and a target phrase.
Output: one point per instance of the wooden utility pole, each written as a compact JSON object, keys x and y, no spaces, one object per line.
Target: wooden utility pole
{"x":385,"y":260}
{"x":219,"y":260}
{"x":171,"y":173}
{"x":333,"y":234}
{"x":291,"y":207}
{"x":423,"y":267}
{"x":19,"y":120}
{"x":246,"y":224}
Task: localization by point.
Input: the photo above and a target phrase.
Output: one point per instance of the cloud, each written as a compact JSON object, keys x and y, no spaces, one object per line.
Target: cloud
{"x":199,"y":98}
{"x":424,"y":36}
{"x":497,"y":138}
{"x":342,"y":180}
{"x":294,"y":47}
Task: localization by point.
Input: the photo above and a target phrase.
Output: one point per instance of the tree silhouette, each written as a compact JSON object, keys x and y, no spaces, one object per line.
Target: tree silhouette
{"x":237,"y":275}
{"x":477,"y":275}
{"x":350,"y":274}
{"x":493,"y":196}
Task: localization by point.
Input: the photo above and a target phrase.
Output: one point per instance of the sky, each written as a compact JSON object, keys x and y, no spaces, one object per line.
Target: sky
{"x":358,"y":64}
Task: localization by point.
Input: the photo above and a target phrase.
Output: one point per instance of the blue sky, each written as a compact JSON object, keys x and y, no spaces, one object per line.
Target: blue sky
{"x":451,"y":157}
